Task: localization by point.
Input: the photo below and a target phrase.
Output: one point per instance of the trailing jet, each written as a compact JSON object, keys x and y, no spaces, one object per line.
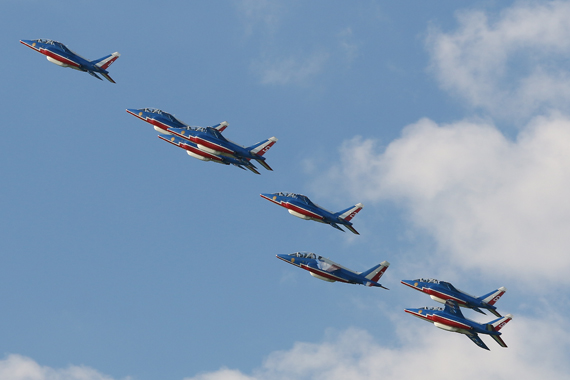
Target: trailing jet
{"x":302,"y":207}
{"x":451,"y":319}
{"x":327,"y":270}
{"x":205,"y":143}
{"x":442,"y":291}
{"x":61,"y":55}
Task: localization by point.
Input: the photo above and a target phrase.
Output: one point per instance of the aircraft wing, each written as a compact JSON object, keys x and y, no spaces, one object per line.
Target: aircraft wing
{"x":475,"y":339}
{"x":326,"y":266}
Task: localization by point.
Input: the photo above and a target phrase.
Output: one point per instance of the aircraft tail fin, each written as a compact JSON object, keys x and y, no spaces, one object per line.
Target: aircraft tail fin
{"x":350,"y":212}
{"x":261,"y":147}
{"x":492,"y":297}
{"x":222,"y":126}
{"x":498,"y":324}
{"x":106,"y":61}
{"x":376,"y":271}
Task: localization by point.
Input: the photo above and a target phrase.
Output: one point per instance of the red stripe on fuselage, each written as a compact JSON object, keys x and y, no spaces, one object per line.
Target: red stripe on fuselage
{"x":59,"y":58}
{"x":301,"y":210}
{"x":30,"y":46}
{"x":135,"y":115}
{"x":322,"y":273}
{"x":422,"y":316}
{"x":449,"y":322}
{"x":444,"y":296}
{"x":271,"y":200}
{"x":211,"y":145}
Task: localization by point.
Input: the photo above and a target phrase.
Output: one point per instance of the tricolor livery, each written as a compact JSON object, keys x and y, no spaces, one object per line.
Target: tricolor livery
{"x":302,"y":207}
{"x":205,"y":143}
{"x":442,"y":291}
{"x":61,"y":55}
{"x":327,"y":270}
{"x":451,"y":319}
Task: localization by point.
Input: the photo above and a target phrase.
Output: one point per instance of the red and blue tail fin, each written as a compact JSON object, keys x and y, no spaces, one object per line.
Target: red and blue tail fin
{"x":350,"y":212}
{"x":261,"y":147}
{"x":374,"y":273}
{"x":492,"y":297}
{"x":106,"y":61}
{"x":496,"y":325}
{"x":222,"y":126}
{"x":259,"y":150}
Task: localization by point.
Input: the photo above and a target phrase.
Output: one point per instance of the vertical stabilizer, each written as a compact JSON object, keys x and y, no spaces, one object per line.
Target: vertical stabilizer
{"x":106,"y":61}
{"x":492,"y":297}
{"x":350,"y":212}
{"x":376,"y":272}
{"x":261,"y":147}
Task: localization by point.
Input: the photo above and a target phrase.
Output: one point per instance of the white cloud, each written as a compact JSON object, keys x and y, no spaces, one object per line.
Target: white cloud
{"x":291,"y":70}
{"x":536,"y":350}
{"x":512,"y":66}
{"x":264,"y":14}
{"x":16,"y":367}
{"x":490,"y":203}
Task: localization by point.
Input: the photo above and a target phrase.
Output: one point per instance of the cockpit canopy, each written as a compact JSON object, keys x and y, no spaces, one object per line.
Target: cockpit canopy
{"x":306,"y":255}
{"x":54,"y":43}
{"x":432,"y":308}
{"x":164,"y":114}
{"x":300,"y":197}
{"x":429,"y":280}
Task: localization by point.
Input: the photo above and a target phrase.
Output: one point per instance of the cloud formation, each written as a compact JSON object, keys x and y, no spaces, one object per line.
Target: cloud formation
{"x":16,"y":367}
{"x":511,"y":66}
{"x":492,"y":204}
{"x":354,"y":354}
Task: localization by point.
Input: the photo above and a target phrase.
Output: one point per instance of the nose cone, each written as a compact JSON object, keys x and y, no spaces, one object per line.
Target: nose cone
{"x":283,"y":257}
{"x":28,"y":43}
{"x":410,"y":283}
{"x":267,"y":196}
{"x":136,"y":112}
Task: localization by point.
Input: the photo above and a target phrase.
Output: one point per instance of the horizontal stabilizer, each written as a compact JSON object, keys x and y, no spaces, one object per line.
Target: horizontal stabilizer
{"x":337,"y":227}
{"x":475,"y":339}
{"x":499,"y":340}
{"x":263,"y":163}
{"x":352,"y":229}
{"x":108,"y":78}
{"x":252,"y":168}
{"x":479,"y":310}
{"x":95,"y":75}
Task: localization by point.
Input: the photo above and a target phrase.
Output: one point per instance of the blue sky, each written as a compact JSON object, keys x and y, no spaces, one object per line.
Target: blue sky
{"x":123,"y":258}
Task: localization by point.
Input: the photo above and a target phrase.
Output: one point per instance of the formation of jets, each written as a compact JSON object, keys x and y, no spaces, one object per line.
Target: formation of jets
{"x":450,"y":317}
{"x":208,"y":144}
{"x":327,"y":270}
{"x":61,"y":55}
{"x":205,"y":143}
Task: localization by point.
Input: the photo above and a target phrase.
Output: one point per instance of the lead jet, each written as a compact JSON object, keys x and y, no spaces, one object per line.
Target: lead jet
{"x":205,"y":143}
{"x":451,"y":319}
{"x":302,"y":207}
{"x":442,"y":291}
{"x":61,"y":55}
{"x":327,"y":270}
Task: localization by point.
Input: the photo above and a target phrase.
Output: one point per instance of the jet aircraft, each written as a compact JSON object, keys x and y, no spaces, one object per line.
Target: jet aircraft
{"x":302,"y":207}
{"x":61,"y":55}
{"x":442,"y":291}
{"x":205,"y":143}
{"x":451,"y":319}
{"x":327,"y":270}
